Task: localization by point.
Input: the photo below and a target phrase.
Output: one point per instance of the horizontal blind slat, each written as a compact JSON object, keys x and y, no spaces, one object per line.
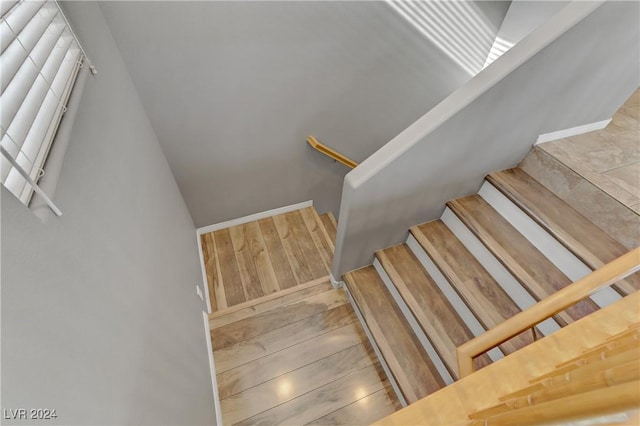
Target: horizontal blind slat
{"x":33,"y":151}
{"x":28,"y":78}
{"x":19,"y":127}
{"x":50,"y":105}
{"x":16,"y":21}
{"x":6,"y":6}
{"x":18,"y":51}
{"x":41,"y":135}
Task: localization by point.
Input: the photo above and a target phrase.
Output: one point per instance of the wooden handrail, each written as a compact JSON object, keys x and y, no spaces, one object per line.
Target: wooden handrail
{"x":598,"y":402}
{"x":610,"y":273}
{"x":331,"y":153}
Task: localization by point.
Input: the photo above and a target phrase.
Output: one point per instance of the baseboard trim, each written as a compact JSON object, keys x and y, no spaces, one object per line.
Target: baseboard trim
{"x":334,"y":282}
{"x":205,"y":281}
{"x":573,"y":131}
{"x":212,"y":369}
{"x":253,"y":217}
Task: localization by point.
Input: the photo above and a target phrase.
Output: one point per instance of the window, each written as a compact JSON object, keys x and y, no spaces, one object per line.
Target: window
{"x":39,"y":61}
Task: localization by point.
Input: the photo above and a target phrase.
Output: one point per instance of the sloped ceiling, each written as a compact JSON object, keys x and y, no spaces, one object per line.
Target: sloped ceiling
{"x":232,"y":89}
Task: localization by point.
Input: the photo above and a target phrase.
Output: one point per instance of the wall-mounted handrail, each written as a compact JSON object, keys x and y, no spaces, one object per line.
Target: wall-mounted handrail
{"x":613,"y":271}
{"x":331,"y":153}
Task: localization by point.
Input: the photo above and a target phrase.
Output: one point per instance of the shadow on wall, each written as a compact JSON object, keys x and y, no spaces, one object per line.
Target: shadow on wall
{"x":459,"y":29}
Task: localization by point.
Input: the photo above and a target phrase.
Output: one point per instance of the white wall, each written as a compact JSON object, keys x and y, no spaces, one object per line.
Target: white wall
{"x":561,"y":76}
{"x":521,"y":19}
{"x":524,"y":16}
{"x":100,"y":320}
{"x":234,"y":88}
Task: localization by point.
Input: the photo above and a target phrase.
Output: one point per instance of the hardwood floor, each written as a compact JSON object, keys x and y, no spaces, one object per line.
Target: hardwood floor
{"x":479,"y":290}
{"x":287,"y":346}
{"x":296,"y":358}
{"x":530,"y":267}
{"x":255,"y":259}
{"x":584,"y":239}
{"x":407,"y":359}
{"x":437,"y":317}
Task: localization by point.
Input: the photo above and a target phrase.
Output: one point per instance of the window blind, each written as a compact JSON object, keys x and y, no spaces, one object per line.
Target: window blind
{"x":39,"y":61}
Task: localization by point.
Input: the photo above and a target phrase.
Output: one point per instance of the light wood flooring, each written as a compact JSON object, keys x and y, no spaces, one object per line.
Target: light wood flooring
{"x":287,"y":346}
{"x":258,"y":258}
{"x":299,"y":356}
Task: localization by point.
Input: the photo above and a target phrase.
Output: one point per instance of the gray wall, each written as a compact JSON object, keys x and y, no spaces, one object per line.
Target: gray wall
{"x":490,"y":123}
{"x":100,"y":320}
{"x":524,"y":16}
{"x":232,"y":89}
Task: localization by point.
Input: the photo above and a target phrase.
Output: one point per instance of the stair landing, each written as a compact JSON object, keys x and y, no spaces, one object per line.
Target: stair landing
{"x":255,"y":259}
{"x":299,"y":356}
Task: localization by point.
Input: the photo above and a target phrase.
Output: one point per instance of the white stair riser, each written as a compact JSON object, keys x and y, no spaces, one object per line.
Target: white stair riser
{"x":452,"y":296}
{"x":551,"y":248}
{"x":509,"y":284}
{"x":417,"y":330}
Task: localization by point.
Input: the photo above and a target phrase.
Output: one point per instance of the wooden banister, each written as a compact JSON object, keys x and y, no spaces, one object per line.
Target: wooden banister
{"x":331,"y":153}
{"x":608,"y":274}
{"x":598,"y":402}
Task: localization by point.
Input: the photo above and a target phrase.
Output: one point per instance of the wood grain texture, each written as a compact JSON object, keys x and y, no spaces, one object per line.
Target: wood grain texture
{"x":309,"y":250}
{"x":266,"y":303}
{"x":255,"y":259}
{"x":477,"y":288}
{"x":295,"y":383}
{"x":483,"y":388}
{"x":229,"y":270}
{"x":407,"y":360}
{"x":363,"y":411}
{"x":281,"y":266}
{"x":589,"y":404}
{"x":439,"y":320}
{"x":238,"y":331}
{"x":323,"y":400}
{"x":214,"y":279}
{"x":557,"y":302}
{"x":256,"y":271}
{"x":584,"y":239}
{"x":330,"y":225}
{"x":321,"y":239}
{"x":268,"y":367}
{"x":530,"y":267}
{"x":284,"y":337}
{"x":293,"y":249}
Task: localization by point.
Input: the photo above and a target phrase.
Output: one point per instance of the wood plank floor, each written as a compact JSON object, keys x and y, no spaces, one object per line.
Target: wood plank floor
{"x":525,"y":262}
{"x":479,"y":290}
{"x":299,"y":358}
{"x":255,"y":259}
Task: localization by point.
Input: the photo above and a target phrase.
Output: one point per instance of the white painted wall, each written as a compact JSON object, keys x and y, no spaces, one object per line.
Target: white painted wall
{"x":578,"y":68}
{"x":524,"y":16}
{"x":232,"y":90}
{"x":100,"y":320}
{"x":521,"y":19}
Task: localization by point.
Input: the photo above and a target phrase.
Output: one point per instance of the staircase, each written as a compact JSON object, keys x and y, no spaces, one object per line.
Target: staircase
{"x":490,"y":256}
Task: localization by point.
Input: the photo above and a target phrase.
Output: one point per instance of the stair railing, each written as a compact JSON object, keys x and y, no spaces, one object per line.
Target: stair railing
{"x":610,"y":273}
{"x":331,"y":153}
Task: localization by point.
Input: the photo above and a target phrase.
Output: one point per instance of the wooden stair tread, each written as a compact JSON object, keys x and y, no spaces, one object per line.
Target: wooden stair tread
{"x":478,"y":289}
{"x":248,"y":327}
{"x":407,"y":360}
{"x":579,"y":235}
{"x":528,"y":265}
{"x":330,"y":225}
{"x":441,"y":323}
{"x":271,"y":301}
